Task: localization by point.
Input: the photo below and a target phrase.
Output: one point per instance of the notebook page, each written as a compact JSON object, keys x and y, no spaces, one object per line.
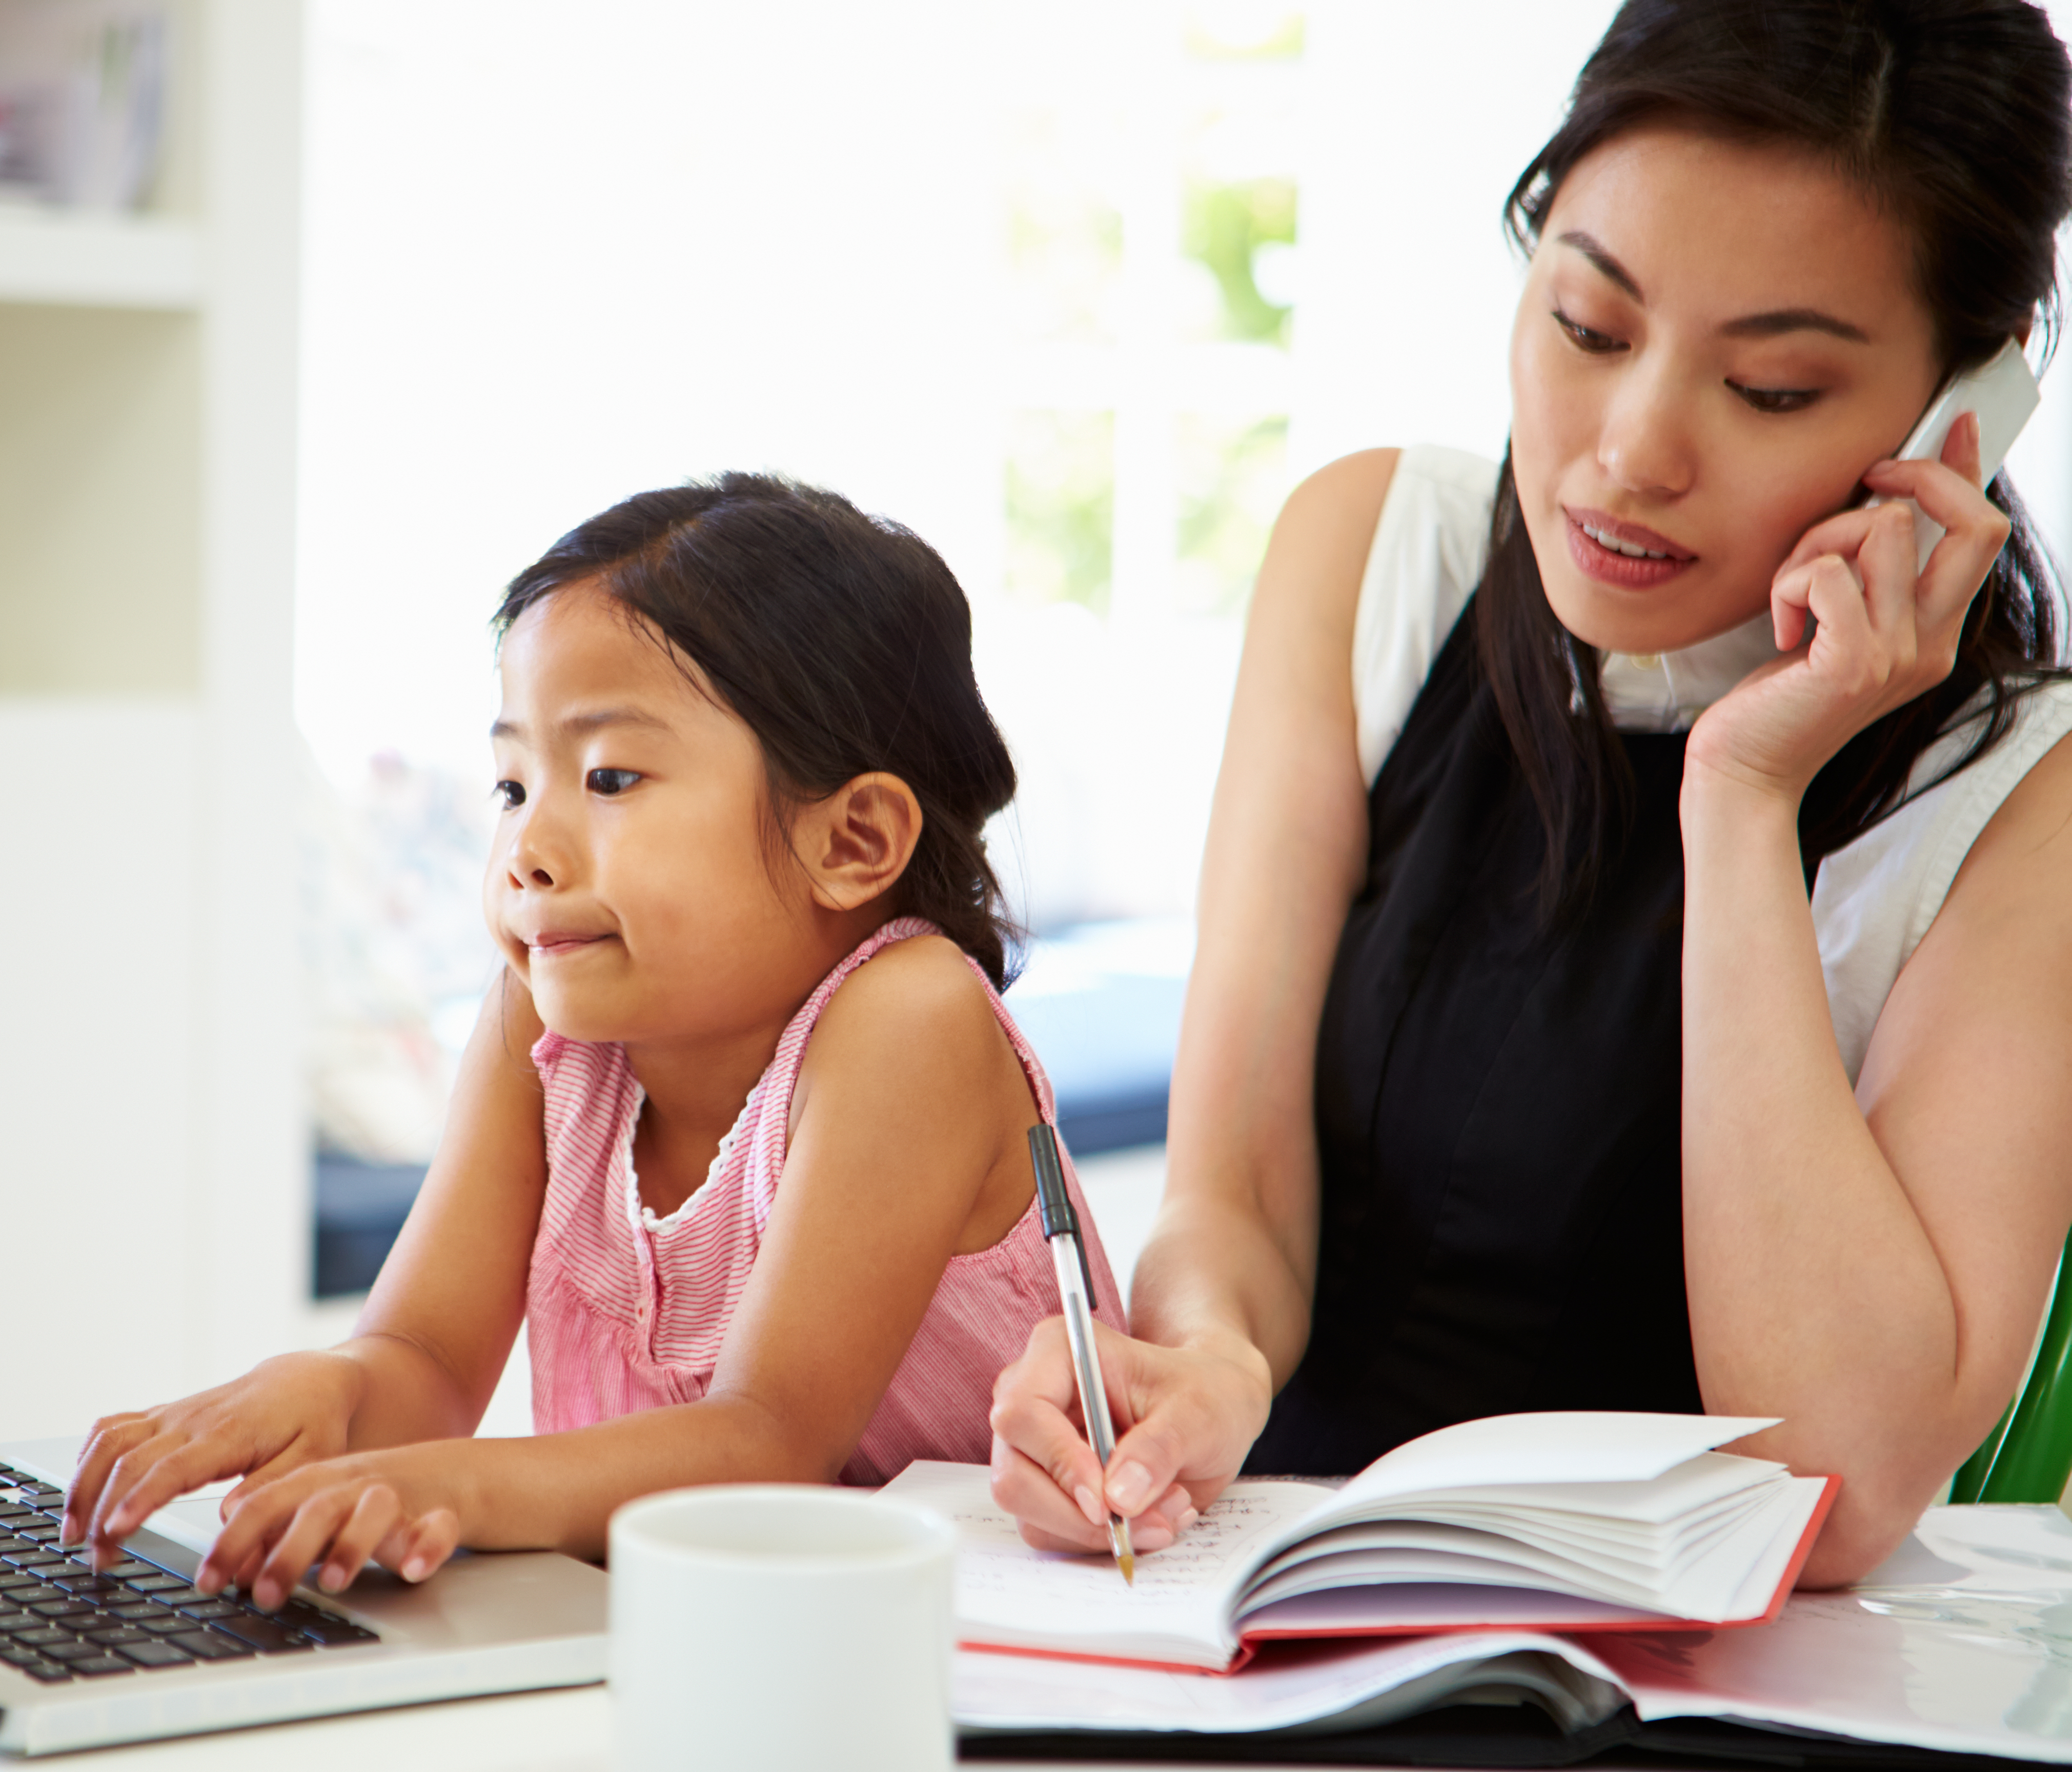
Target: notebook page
{"x":1567,"y":1446}
{"x":1179,"y":1609}
{"x":1667,"y":1501}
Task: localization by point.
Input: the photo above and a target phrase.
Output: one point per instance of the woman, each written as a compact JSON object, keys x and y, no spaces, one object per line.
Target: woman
{"x":1519,"y":1072}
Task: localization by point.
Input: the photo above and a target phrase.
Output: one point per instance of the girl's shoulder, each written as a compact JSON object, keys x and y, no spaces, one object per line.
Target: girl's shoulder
{"x":915,"y":1047}
{"x":922,"y":989}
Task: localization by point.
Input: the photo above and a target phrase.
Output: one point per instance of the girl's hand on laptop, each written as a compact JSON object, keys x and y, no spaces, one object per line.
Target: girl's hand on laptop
{"x":285,"y":1413}
{"x":400,"y":1506}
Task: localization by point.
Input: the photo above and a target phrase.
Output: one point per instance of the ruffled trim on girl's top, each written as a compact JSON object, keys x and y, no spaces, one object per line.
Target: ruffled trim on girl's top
{"x":643,"y":1215}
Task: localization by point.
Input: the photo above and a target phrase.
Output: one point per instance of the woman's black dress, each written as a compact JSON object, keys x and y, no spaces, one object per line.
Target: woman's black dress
{"x":1497,"y":1110}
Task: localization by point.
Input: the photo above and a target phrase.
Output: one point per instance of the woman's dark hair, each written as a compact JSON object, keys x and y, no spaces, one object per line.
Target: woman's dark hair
{"x":1953,"y":116}
{"x":844,"y":643}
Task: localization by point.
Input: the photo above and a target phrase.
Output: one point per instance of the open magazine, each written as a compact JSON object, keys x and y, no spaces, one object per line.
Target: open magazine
{"x":1567,"y":1522}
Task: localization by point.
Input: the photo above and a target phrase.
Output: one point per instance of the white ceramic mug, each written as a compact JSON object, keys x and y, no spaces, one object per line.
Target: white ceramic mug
{"x":780,"y":1625}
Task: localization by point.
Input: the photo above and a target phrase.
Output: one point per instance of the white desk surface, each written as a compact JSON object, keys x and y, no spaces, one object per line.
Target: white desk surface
{"x":531,"y":1732}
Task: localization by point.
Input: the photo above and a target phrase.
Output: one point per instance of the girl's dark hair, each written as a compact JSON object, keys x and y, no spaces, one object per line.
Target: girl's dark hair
{"x":844,"y":643}
{"x":1952,"y":114}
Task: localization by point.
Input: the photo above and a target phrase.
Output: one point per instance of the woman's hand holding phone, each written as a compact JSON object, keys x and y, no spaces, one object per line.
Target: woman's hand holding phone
{"x":1884,"y":632}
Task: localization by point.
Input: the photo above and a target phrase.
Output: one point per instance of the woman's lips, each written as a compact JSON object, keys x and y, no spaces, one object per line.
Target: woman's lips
{"x":1610,"y":566}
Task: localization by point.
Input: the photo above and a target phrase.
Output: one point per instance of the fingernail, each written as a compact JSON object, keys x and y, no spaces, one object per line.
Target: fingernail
{"x":1186,"y":1520}
{"x":1089,"y":1505}
{"x":1129,"y":1487}
{"x":414,"y":1569}
{"x":333,"y":1577}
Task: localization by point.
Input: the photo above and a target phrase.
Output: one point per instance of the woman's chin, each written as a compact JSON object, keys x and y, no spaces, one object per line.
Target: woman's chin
{"x":1665,"y":617}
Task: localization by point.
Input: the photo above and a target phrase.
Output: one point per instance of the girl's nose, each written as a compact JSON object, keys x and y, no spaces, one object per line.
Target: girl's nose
{"x":535,"y":860}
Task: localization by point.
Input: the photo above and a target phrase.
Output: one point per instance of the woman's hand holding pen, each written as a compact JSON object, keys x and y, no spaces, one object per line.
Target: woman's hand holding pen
{"x":1184,"y":1418}
{"x":1888,"y":627}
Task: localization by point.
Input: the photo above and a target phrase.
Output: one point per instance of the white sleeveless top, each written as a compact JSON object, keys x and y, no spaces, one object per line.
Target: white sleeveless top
{"x":1872,"y":900}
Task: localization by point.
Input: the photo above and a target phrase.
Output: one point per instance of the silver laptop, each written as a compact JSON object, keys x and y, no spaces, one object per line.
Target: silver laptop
{"x":138,"y":1653}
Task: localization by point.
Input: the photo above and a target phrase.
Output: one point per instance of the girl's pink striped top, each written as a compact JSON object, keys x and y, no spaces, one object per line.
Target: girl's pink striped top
{"x":626,"y":1311}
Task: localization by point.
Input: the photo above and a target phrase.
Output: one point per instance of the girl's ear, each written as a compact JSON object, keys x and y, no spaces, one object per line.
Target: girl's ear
{"x":857,"y":842}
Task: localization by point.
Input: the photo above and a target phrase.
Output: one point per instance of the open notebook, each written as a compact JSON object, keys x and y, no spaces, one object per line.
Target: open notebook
{"x":1555,"y":1522}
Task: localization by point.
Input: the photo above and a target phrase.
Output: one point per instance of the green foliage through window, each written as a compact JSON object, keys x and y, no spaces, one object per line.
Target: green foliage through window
{"x":1232,"y":477}
{"x":1061,"y":507}
{"x":1225,"y":224}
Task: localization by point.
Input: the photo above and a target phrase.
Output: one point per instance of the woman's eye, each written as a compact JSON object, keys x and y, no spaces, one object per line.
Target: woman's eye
{"x":611,"y":781}
{"x":1776,"y":400}
{"x":1585,"y":338}
{"x":510,"y":795}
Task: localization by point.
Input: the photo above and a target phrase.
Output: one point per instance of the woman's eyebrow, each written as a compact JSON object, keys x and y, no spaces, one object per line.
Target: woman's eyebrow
{"x":1771,"y":325}
{"x":1594,"y":249}
{"x":1793,"y":319}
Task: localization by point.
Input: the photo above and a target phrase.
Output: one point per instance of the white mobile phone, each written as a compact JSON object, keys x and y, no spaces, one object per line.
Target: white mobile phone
{"x":2003,"y":393}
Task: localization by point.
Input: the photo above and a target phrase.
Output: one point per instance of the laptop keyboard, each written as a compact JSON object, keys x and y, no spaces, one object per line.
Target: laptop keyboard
{"x":59,"y":1621}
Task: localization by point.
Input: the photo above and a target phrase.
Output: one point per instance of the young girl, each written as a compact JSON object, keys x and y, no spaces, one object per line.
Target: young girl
{"x":740,"y":1131}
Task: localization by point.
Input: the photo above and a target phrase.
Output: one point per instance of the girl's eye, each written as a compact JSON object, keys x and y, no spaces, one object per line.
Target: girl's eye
{"x":510,"y":795}
{"x":1776,"y":400}
{"x":1598,"y":344}
{"x":611,"y":781}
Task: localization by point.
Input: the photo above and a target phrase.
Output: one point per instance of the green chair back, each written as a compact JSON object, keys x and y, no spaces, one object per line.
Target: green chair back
{"x":2028,"y":1456}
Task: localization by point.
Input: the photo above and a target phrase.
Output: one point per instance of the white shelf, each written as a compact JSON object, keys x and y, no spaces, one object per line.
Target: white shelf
{"x":89,"y":260}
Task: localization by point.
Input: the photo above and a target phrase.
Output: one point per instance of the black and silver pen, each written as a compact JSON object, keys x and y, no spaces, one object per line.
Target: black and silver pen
{"x":1076,"y":1288}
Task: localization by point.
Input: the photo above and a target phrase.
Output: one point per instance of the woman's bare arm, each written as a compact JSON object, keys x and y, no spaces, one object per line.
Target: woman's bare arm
{"x":1871,"y":1264}
{"x":1226,"y":1280}
{"x":1235,"y":1247}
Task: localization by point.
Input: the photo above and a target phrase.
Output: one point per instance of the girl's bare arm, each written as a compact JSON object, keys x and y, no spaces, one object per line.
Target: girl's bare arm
{"x":439,"y":1325}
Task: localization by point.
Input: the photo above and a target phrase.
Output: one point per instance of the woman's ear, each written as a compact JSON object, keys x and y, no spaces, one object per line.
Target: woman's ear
{"x":857,"y":842}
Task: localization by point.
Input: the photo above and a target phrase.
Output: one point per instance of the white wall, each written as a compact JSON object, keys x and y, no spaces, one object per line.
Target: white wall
{"x":1420,"y":119}
{"x":561,"y":255}
{"x":98,"y":1058}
